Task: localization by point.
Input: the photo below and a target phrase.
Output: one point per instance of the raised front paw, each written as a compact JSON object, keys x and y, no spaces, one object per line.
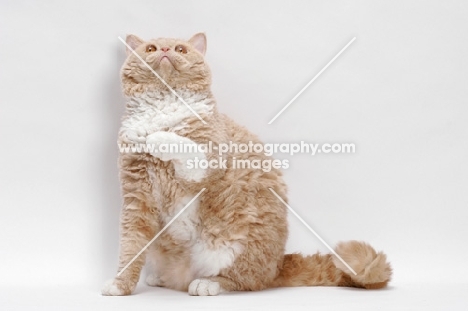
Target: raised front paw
{"x":185,"y":154}
{"x":134,"y":136}
{"x":204,"y":287}
{"x":162,"y":143}
{"x":117,"y":287}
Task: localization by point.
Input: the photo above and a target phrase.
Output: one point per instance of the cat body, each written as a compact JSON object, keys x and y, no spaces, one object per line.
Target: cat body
{"x":232,"y":236}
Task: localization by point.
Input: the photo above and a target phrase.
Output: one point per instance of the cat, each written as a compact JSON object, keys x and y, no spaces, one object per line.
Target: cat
{"x":232,"y":236}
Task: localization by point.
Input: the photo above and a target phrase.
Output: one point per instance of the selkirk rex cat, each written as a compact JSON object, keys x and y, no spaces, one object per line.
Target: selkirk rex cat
{"x":232,"y":236}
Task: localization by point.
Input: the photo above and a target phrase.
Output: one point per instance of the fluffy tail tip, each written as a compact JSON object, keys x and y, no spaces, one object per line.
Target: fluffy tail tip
{"x":372,"y":269}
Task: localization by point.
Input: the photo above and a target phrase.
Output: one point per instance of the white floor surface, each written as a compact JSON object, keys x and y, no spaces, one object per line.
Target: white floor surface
{"x":396,"y":297}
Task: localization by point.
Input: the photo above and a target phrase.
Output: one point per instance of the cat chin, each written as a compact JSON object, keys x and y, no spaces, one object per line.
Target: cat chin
{"x":167,"y":74}
{"x":166,"y":66}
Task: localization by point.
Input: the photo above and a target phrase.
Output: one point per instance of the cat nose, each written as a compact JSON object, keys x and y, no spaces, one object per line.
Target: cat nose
{"x":165,"y":49}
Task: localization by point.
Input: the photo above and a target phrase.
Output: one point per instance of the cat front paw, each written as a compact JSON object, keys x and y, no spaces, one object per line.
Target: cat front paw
{"x":204,"y":287}
{"x":184,"y":152}
{"x":134,"y":136}
{"x":159,"y":142}
{"x":116,"y":287}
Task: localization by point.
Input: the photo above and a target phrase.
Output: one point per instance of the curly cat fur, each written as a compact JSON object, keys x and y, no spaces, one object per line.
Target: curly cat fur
{"x":233,"y":236}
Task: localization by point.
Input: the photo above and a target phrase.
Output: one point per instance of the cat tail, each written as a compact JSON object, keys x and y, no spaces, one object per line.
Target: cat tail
{"x":372,"y":269}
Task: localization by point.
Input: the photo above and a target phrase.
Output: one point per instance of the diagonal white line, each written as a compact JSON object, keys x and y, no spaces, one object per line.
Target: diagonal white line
{"x":162,"y":80}
{"x":160,"y":232}
{"x":313,"y":231}
{"x":311,"y":81}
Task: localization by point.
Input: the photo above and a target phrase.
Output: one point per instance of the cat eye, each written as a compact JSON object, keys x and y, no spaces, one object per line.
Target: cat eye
{"x":151,"y":48}
{"x":181,"y":49}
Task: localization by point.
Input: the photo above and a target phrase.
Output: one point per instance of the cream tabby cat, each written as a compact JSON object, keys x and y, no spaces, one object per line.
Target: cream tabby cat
{"x":232,"y":237}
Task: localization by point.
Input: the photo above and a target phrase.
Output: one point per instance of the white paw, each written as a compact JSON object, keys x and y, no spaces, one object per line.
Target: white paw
{"x":135,"y":136}
{"x":153,"y":280}
{"x":204,"y":287}
{"x":161,"y":144}
{"x":170,"y":146}
{"x":111,"y":289}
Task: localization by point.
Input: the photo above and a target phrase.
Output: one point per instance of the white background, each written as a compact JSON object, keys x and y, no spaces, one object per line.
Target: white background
{"x":399,"y":92}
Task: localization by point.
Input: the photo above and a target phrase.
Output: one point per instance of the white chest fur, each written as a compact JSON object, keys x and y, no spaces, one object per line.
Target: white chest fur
{"x":154,"y":111}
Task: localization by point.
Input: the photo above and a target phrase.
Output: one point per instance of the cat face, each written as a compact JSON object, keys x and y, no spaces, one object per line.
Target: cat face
{"x":180,"y":63}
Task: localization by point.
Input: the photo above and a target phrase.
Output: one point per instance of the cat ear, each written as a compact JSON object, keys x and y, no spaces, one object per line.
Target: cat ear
{"x":133,"y":41}
{"x":199,"y":42}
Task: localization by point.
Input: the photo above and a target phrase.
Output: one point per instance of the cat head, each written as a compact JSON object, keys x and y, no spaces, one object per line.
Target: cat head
{"x":178,"y":62}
